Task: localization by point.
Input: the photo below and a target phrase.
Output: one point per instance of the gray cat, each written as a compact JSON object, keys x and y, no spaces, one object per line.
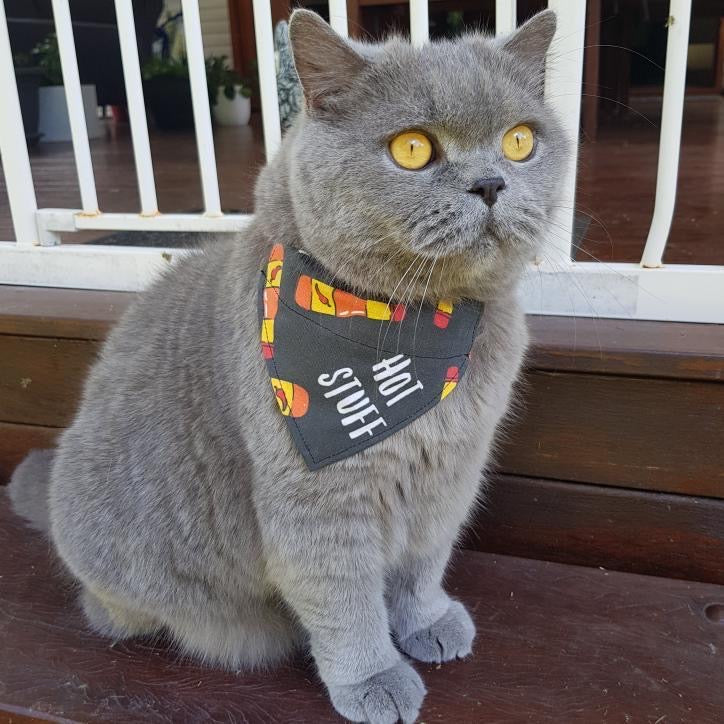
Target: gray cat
{"x":177,"y":497}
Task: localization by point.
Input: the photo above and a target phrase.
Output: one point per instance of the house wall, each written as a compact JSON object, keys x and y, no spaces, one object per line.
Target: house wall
{"x":215,"y":27}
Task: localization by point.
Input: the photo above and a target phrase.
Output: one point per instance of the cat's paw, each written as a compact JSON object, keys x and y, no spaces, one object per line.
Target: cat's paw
{"x":392,"y":695}
{"x":450,"y":637}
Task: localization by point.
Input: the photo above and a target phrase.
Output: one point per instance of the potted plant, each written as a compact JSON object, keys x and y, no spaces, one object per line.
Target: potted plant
{"x":228,"y":92}
{"x":53,"y":123}
{"x":28,"y":77}
{"x":167,"y":93}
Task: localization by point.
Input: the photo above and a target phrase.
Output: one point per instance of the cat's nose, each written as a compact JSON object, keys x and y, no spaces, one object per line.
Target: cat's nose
{"x":488,"y":188}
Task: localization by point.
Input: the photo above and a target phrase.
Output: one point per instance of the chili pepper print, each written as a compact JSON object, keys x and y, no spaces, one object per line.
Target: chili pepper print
{"x":273,"y":280}
{"x":293,"y":399}
{"x":452,"y":377}
{"x":442,"y":314}
{"x":316,"y":296}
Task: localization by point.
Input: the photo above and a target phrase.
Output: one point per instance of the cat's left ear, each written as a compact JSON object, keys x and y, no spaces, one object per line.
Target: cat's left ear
{"x":326,"y":64}
{"x":530,"y":42}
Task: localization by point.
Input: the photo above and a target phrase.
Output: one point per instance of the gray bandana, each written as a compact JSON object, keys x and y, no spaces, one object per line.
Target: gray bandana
{"x":348,"y":372}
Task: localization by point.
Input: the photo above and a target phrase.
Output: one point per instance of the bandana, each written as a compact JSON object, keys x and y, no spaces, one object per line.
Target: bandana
{"x":347,"y":372}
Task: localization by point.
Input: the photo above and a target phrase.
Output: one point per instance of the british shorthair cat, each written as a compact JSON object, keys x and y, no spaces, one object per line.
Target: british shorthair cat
{"x":416,"y":183}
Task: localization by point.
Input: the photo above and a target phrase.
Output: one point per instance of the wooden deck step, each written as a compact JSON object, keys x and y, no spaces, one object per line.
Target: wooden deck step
{"x":556,"y":643}
{"x":613,"y":459}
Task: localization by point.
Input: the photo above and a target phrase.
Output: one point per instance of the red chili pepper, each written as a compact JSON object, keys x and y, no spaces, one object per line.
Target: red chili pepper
{"x":282,"y":398}
{"x":322,"y":298}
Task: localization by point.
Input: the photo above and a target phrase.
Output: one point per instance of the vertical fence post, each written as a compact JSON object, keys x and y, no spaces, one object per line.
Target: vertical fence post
{"x":419,"y":22}
{"x":13,"y":148}
{"x":506,"y":18}
{"x":672,"y":112}
{"x":136,"y":107}
{"x":267,"y":77}
{"x":563,"y":86}
{"x":201,"y":108}
{"x":76,"y":109}
{"x":338,"y":17}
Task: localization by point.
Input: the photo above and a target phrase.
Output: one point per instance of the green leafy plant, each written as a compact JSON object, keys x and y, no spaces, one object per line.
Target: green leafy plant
{"x":165,"y":68}
{"x":23,"y":60}
{"x":47,"y":58}
{"x":220,"y":75}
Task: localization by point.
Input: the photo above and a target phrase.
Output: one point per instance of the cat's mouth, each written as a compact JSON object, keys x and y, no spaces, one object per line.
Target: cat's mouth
{"x":474,"y":237}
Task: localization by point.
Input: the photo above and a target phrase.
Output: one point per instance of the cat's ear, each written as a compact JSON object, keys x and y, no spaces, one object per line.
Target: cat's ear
{"x":325,"y":63}
{"x":530,"y":42}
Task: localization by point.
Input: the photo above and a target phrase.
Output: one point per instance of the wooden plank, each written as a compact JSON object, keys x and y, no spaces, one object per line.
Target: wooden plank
{"x":237,"y":36}
{"x":241,"y":20}
{"x":280,"y":10}
{"x":592,"y":62}
{"x":354,"y":20}
{"x":41,"y":379}
{"x":627,"y":347}
{"x":67,"y":313}
{"x":22,"y":715}
{"x":16,"y":441}
{"x":719,"y":59}
{"x":608,"y":346}
{"x":555,"y":644}
{"x":651,"y":434}
{"x":657,"y":534}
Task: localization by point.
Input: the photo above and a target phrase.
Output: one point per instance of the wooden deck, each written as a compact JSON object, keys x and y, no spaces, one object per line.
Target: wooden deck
{"x":555,"y":643}
{"x":616,"y":181}
{"x":614,"y":458}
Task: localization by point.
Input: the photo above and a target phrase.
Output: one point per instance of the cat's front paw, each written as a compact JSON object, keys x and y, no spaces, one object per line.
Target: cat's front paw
{"x":450,"y":637}
{"x":392,"y":695}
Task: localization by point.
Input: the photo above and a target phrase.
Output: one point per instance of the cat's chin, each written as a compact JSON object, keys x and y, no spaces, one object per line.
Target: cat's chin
{"x":482,"y":275}
{"x":480,"y":268}
{"x":479,"y":245}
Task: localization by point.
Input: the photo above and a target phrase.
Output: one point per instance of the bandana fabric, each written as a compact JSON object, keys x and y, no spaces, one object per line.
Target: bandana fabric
{"x":348,"y":372}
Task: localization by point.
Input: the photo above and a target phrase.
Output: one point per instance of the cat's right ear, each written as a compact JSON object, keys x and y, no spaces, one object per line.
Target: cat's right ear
{"x":530,"y":42}
{"x":325,"y":63}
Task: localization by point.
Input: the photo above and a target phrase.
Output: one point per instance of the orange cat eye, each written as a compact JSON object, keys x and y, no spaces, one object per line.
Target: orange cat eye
{"x":411,"y":150}
{"x":518,"y":143}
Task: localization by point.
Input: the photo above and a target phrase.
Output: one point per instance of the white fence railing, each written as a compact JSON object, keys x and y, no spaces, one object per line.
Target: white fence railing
{"x":556,"y":285}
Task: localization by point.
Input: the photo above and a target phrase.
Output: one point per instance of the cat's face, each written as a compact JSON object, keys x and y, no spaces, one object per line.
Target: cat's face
{"x":443,"y":158}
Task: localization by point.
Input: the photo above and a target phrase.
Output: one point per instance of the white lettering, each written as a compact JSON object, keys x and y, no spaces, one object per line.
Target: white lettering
{"x":367,"y":428}
{"x":404,"y":393}
{"x":343,"y":388}
{"x":388,"y":367}
{"x":352,"y":402}
{"x":359,"y":416}
{"x":355,"y":406}
{"x":329,"y":380}
{"x":391,"y":385}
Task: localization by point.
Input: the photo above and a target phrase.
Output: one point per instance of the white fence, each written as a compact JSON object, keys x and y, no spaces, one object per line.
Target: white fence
{"x":556,"y":285}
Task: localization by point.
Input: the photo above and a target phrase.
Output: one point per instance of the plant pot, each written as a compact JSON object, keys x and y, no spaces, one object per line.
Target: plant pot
{"x":233,"y":112}
{"x":169,"y":101}
{"x":28,"y":80}
{"x":53,"y":123}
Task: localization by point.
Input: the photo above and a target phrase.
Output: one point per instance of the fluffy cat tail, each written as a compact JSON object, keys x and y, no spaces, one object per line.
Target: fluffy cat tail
{"x":29,"y":486}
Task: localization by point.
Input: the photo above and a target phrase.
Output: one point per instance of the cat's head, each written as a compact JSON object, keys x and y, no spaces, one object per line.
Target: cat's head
{"x":423,"y":168}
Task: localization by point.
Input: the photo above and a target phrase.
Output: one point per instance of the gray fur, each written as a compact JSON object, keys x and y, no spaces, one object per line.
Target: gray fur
{"x":28,"y":490}
{"x":177,"y":497}
{"x":449,"y":637}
